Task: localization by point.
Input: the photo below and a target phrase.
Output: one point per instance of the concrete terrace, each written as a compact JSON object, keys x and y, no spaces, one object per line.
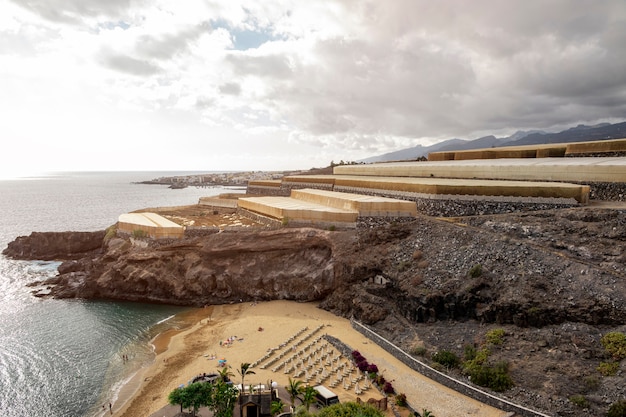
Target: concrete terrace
{"x":326,"y":207}
{"x":579,"y":169}
{"x":152,"y":224}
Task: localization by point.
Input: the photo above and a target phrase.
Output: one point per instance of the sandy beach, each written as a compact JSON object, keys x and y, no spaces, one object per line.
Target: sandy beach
{"x":256,"y":329}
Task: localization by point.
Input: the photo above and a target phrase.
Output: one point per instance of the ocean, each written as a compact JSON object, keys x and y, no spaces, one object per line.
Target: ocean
{"x":67,"y":357}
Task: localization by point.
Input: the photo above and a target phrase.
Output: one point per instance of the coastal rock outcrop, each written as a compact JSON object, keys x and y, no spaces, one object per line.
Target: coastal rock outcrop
{"x":294,"y":264}
{"x":48,"y":246}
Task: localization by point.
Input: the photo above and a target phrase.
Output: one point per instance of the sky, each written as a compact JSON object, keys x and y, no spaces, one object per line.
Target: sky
{"x":279,"y":85}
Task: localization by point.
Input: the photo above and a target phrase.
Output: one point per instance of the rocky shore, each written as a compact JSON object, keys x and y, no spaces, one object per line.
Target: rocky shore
{"x":553,"y":280}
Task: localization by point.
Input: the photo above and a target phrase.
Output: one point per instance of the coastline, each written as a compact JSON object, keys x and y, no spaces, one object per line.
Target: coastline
{"x":256,"y":328}
{"x":127,"y":389}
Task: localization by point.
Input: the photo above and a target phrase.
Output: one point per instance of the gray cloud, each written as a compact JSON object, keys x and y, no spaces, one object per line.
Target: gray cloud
{"x":265,"y":66}
{"x":166,"y":46}
{"x":73,"y":11}
{"x":128,"y":64}
{"x":453,"y":68}
{"x":232,"y":89}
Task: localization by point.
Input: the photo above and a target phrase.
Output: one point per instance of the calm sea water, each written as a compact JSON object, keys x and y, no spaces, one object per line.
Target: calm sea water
{"x":65,"y":357}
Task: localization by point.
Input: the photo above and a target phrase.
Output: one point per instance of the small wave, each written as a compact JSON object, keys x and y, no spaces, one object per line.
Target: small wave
{"x":166,"y":319}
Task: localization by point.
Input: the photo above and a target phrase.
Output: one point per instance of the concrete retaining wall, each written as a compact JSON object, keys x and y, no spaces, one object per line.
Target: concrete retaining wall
{"x":439,"y":205}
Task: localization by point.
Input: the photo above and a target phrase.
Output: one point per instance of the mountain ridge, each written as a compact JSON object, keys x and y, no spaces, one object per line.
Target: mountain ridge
{"x":579,"y":133}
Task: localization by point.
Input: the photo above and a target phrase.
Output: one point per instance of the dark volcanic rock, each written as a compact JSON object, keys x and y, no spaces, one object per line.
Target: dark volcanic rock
{"x":55,"y":245}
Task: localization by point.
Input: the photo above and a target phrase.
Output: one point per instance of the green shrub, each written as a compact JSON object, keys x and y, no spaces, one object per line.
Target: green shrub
{"x":617,"y":409}
{"x":446,"y":358}
{"x":332,"y":227}
{"x":469,"y":353}
{"x":579,"y":400}
{"x":419,"y":351}
{"x":401,"y":400}
{"x":495,"y":377}
{"x":476,"y":271}
{"x":591,"y":382}
{"x":349,"y":409}
{"x":495,"y":336}
{"x":615,"y":344}
{"x":608,"y":368}
{"x":110,"y":233}
{"x":139,"y":234}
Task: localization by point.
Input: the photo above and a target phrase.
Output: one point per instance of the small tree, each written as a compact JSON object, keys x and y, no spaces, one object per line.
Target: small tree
{"x":178,"y":397}
{"x":308,"y":396}
{"x":243,"y":371}
{"x":225,"y":373}
{"x":223,"y":399}
{"x":276,"y":407}
{"x":294,"y":389}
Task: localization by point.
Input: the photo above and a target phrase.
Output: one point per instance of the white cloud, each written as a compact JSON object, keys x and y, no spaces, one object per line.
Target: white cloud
{"x":303,"y":83}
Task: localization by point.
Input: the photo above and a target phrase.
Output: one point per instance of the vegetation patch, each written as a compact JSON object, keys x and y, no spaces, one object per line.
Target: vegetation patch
{"x":579,"y":400}
{"x":608,"y":368}
{"x":446,"y":358}
{"x":615,"y":345}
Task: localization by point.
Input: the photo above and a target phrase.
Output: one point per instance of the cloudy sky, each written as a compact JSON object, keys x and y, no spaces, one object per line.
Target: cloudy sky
{"x":272,"y":85}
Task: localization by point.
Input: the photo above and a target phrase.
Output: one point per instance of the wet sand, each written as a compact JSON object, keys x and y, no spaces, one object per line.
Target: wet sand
{"x":257,"y":328}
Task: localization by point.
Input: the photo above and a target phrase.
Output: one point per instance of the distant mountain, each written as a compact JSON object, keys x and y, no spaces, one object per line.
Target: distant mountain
{"x":580,"y":133}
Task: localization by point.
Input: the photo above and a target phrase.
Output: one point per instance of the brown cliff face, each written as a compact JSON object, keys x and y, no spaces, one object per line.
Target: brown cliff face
{"x":295,"y":264}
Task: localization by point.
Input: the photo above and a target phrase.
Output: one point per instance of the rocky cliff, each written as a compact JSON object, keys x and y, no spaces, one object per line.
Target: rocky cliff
{"x":553,"y":280}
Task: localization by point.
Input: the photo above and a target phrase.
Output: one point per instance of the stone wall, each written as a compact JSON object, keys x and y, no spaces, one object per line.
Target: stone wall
{"x":459,"y":386}
{"x":440,"y":205}
{"x":259,"y":190}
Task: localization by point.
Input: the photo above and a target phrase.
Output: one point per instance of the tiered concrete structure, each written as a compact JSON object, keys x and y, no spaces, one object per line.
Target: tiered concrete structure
{"x":327,"y":208}
{"x":584,"y":169}
{"x":458,"y":183}
{"x":365,"y":205}
{"x":152,"y":224}
{"x":615,"y":147}
{"x":403,"y":186}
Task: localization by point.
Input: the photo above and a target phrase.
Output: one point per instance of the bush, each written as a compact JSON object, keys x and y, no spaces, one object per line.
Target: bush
{"x":469,"y":353}
{"x":111,"y":232}
{"x":608,"y":368}
{"x":615,"y":344}
{"x":372,"y":369}
{"x":380,"y":380}
{"x":495,"y":377}
{"x":495,"y":336}
{"x":579,"y":400}
{"x":419,"y":351}
{"x":363,"y":365}
{"x":476,"y":271}
{"x":388,"y":388}
{"x":139,"y":234}
{"x":617,"y":409}
{"x":446,"y":358}
{"x":349,"y":409}
{"x":401,"y":400}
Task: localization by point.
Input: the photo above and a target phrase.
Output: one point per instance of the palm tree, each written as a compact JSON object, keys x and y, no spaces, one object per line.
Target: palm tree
{"x":245,"y":370}
{"x":308,"y":396}
{"x":276,"y":407}
{"x":225,"y":373}
{"x":294,"y":388}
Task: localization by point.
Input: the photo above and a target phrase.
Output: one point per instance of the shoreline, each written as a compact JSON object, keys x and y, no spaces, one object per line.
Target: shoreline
{"x":189,"y":352}
{"x":128,"y":388}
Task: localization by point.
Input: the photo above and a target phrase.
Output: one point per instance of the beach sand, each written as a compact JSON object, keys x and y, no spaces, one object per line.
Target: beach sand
{"x":259,"y":327}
